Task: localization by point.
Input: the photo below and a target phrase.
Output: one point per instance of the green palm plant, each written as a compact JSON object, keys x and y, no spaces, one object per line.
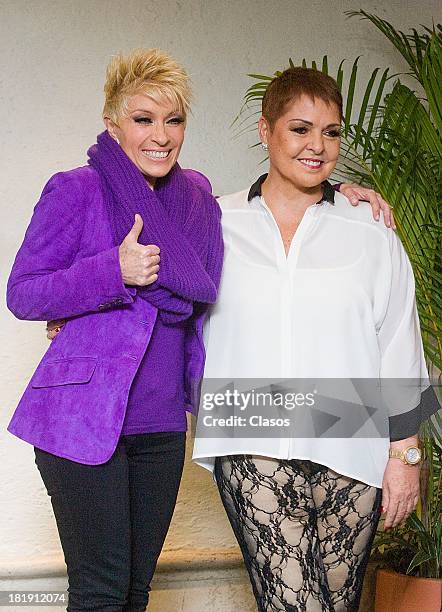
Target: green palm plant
{"x":394,"y":145}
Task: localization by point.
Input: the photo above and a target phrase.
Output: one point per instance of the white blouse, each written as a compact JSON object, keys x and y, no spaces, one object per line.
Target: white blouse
{"x":339,"y":305}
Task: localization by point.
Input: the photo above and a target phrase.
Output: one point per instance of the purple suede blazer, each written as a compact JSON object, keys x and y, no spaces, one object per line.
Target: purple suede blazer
{"x":68,"y":267}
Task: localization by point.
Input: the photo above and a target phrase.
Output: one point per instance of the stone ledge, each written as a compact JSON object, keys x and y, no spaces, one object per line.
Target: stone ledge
{"x":188,"y":575}
{"x":170,"y":561}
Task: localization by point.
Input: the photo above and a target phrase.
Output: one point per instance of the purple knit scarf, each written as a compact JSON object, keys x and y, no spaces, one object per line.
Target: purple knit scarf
{"x":179,"y":217}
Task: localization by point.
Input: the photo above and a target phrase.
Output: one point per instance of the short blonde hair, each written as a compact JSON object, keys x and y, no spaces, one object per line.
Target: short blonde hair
{"x":149,"y":71}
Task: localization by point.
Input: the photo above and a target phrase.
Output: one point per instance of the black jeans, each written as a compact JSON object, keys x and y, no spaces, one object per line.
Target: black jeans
{"x":113,"y":518}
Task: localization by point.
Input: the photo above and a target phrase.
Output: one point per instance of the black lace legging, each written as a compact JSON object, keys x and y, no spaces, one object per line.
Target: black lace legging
{"x":305,"y":531}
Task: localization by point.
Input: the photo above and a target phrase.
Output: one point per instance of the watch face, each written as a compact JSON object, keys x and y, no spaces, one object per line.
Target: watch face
{"x":413,"y":455}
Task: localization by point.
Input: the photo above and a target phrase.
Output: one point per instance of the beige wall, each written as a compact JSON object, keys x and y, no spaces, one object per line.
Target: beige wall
{"x":53,"y":59}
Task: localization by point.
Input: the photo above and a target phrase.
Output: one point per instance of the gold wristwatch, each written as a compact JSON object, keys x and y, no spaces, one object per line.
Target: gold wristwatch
{"x":410,"y":456}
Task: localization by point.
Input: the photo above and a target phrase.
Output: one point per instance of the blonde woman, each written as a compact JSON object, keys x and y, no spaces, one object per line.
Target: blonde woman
{"x":106,"y":407}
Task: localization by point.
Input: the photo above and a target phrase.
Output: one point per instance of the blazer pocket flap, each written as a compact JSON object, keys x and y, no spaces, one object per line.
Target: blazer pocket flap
{"x":71,"y":371}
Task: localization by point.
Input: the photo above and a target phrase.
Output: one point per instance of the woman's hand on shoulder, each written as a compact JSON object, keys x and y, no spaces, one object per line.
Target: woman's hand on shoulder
{"x":356,"y":193}
{"x":139,"y":264}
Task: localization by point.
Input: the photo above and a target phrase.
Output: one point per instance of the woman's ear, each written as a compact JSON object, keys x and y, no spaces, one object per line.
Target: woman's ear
{"x":111,"y":128}
{"x":263,"y":130}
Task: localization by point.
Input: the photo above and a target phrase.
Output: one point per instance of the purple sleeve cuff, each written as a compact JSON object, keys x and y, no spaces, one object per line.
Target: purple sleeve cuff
{"x":89,"y":285}
{"x":48,"y":280}
{"x":106,"y":275}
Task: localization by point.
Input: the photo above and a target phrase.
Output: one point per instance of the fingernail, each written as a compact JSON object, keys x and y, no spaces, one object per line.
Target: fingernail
{"x":382,"y":509}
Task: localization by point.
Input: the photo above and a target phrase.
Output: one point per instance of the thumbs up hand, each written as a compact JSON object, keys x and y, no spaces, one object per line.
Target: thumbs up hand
{"x":139,"y":264}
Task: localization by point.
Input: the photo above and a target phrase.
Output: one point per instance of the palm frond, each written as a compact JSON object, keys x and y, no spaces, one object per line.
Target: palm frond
{"x":412,"y":46}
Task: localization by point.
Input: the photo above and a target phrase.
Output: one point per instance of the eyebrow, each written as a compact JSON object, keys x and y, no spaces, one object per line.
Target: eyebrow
{"x":310,"y":123}
{"x":148,"y":112}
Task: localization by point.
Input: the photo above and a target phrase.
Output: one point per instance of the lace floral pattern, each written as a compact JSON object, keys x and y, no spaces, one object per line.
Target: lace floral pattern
{"x":305,"y":531}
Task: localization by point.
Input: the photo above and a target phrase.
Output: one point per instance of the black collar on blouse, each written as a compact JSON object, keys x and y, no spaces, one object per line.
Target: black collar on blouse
{"x":328,"y":195}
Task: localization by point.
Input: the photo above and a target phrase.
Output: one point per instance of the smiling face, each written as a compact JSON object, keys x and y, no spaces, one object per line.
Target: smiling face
{"x":303,"y":144}
{"x":151,"y":135}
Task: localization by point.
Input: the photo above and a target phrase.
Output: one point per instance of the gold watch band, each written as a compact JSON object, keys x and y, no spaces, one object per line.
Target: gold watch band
{"x":397,"y":453}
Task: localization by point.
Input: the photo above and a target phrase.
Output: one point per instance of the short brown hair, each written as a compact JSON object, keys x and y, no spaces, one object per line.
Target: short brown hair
{"x":293,"y":83}
{"x":149,"y":71}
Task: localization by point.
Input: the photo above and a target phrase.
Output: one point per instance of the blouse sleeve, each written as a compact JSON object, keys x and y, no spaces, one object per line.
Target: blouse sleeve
{"x":48,"y":280}
{"x":406,"y":389}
